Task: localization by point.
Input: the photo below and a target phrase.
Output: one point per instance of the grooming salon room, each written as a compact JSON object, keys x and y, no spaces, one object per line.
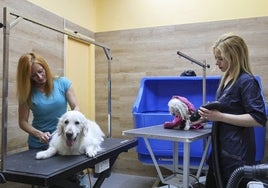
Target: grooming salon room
{"x":134,"y":93}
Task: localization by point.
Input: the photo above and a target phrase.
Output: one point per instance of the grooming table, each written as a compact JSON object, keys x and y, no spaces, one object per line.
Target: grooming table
{"x":24,"y":168}
{"x":159,"y":132}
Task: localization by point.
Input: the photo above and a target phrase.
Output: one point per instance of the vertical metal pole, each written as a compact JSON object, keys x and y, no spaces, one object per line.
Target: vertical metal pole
{"x":204,"y":95}
{"x":109,"y":57}
{"x":175,"y":157}
{"x":6,"y":32}
{"x":204,"y":83}
{"x":186,"y":164}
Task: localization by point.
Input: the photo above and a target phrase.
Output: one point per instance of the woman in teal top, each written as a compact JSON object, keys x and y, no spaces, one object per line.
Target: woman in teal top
{"x":42,"y":94}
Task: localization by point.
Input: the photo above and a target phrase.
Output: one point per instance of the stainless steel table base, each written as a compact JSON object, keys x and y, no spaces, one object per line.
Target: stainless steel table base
{"x":186,"y":137}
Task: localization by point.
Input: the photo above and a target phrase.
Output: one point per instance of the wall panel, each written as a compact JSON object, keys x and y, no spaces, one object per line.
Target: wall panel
{"x":153,"y":52}
{"x":26,"y":37}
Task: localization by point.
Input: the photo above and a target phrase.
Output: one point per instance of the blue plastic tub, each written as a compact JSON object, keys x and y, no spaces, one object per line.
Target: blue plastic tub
{"x":150,"y":108}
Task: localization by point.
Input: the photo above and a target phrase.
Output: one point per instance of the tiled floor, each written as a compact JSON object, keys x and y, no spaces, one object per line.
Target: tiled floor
{"x":114,"y":181}
{"x":128,"y":181}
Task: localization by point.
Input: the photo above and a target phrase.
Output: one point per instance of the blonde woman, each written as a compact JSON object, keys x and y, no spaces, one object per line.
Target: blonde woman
{"x":232,"y":131}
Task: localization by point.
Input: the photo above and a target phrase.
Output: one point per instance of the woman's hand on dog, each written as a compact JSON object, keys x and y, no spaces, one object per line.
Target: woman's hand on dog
{"x":44,"y":137}
{"x":199,"y":121}
{"x":209,"y":115}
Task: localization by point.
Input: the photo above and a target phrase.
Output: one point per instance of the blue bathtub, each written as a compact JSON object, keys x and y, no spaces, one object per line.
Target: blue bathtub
{"x":150,"y":108}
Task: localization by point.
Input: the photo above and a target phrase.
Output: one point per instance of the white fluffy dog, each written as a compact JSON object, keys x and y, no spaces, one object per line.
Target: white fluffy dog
{"x":75,"y":135}
{"x":181,"y":109}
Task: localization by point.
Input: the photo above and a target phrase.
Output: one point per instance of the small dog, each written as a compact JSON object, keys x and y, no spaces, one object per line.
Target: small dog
{"x":181,"y":109}
{"x":75,"y":135}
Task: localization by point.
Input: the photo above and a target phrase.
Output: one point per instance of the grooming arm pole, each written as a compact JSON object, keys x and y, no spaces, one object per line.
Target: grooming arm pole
{"x":204,"y":86}
{"x":73,"y":34}
{"x":6,"y":32}
{"x":203,"y":65}
{"x":204,"y":83}
{"x":88,"y":40}
{"x":109,"y":58}
{"x":7,"y":26}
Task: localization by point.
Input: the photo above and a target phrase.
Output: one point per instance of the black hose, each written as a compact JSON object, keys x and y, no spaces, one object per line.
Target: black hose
{"x":215,"y":155}
{"x":249,"y":172}
{"x":235,"y":178}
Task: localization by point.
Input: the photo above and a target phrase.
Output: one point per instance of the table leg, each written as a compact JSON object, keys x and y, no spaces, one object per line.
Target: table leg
{"x":205,"y":152}
{"x":175,"y":157}
{"x":186,"y":162}
{"x":153,"y":158}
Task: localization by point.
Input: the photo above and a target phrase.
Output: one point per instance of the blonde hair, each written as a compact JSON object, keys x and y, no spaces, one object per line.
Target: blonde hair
{"x":235,"y":51}
{"x":24,"y":83}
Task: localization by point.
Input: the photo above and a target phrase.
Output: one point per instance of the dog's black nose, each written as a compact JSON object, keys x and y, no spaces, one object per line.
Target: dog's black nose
{"x":69,"y":135}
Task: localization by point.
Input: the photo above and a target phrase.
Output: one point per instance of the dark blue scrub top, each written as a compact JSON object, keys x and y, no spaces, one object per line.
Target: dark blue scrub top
{"x":237,"y":144}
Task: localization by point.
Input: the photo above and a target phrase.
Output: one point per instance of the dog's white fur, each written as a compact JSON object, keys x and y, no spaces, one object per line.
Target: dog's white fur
{"x":179,"y":108}
{"x":75,"y":135}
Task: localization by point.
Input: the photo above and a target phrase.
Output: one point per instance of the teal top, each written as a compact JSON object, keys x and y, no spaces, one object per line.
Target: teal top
{"x":47,"y":110}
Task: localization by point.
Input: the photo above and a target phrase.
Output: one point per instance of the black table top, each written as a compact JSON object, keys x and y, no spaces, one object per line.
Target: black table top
{"x":24,"y":168}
